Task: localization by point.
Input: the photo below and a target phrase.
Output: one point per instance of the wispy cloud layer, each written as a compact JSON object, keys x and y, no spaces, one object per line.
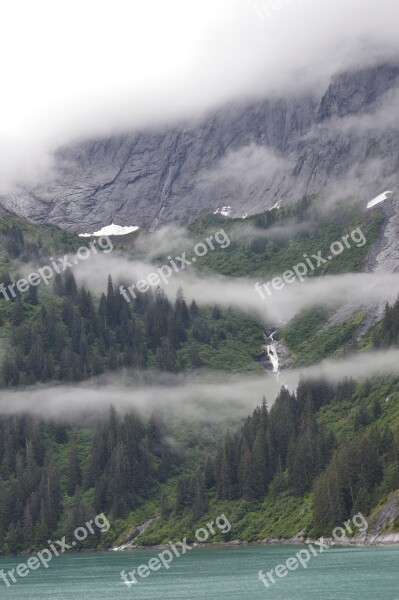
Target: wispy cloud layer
{"x":75,"y":70}
{"x":365,"y":289}
{"x":206,"y":396}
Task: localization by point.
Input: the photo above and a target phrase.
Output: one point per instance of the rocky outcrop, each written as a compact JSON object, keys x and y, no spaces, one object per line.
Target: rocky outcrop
{"x":127,"y":542}
{"x":357,"y":92}
{"x":383,"y":257}
{"x":247,"y":156}
{"x":383,"y":524}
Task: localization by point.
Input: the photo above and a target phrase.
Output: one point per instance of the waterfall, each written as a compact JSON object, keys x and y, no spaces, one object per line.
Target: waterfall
{"x":272,"y":353}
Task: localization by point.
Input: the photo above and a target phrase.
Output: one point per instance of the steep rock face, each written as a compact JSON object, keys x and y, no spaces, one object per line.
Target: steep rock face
{"x":383,"y":524}
{"x":247,"y":156}
{"x":353,"y":93}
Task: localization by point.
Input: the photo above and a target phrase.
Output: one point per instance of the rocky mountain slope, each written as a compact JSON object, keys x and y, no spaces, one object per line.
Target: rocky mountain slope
{"x":247,"y":156}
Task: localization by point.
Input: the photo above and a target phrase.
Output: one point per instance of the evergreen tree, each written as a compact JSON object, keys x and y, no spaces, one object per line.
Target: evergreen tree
{"x":74,"y":471}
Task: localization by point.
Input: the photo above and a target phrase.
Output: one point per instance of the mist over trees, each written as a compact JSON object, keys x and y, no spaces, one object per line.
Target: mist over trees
{"x":49,"y":483}
{"x":71,"y":337}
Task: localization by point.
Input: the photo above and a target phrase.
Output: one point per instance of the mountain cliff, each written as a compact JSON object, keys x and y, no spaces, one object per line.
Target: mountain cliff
{"x":247,"y":156}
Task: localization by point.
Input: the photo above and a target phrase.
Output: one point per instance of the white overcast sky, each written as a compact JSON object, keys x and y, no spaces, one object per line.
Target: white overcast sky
{"x":75,"y":68}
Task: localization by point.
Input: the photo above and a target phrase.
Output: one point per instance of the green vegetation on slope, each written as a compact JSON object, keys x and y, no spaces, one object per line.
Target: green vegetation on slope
{"x":361,"y":473}
{"x":309,"y":339}
{"x":269,"y":244}
{"x":22,"y":242}
{"x":271,"y":477}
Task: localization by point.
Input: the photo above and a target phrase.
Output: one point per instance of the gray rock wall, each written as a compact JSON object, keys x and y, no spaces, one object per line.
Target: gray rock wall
{"x":247,"y":156}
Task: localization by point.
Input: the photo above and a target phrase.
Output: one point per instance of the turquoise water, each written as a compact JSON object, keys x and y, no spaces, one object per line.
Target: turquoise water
{"x":219,"y":573}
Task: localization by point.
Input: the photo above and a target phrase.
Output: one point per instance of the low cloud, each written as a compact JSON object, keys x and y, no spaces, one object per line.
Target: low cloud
{"x":166,"y":62}
{"x":206,"y":396}
{"x":281,"y":233}
{"x":365,"y":364}
{"x":362,"y":289}
{"x":248,"y":166}
{"x":382,"y":119}
{"x":169,"y":239}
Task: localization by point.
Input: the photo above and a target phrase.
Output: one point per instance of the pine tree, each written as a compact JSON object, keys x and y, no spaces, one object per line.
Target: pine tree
{"x":70,"y":287}
{"x":32,"y":295}
{"x":28,"y":526}
{"x":183,"y":493}
{"x":165,"y":507}
{"x":58,"y":285}
{"x":165,"y":356}
{"x":259,"y":465}
{"x":110,"y":309}
{"x":18,"y":312}
{"x":74,"y":471}
{"x":200,"y":502}
{"x":194,"y":310}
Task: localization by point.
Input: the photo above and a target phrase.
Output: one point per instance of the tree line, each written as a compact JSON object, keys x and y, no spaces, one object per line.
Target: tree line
{"x":50,"y":484}
{"x":386,"y":333}
{"x":289,"y":449}
{"x":71,"y":337}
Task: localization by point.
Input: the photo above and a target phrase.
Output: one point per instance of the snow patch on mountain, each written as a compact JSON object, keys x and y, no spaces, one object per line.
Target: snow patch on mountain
{"x":111,"y":230}
{"x":379,"y":198}
{"x":225,"y":211}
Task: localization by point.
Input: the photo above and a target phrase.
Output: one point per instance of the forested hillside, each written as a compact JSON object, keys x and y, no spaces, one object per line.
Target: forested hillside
{"x":55,"y":477}
{"x":70,"y":338}
{"x":315,"y":456}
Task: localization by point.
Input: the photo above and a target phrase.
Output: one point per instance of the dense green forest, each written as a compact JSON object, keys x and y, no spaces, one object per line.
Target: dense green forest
{"x":55,"y":477}
{"x":307,"y":462}
{"x":292,"y":448}
{"x":319,"y":454}
{"x":63,"y":333}
{"x":69,"y":337}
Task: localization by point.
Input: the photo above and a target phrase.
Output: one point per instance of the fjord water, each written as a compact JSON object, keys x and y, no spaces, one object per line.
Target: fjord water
{"x":219,"y":573}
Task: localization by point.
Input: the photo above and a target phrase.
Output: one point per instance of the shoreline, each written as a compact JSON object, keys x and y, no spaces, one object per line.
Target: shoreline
{"x":376,"y":542}
{"x":294,"y":541}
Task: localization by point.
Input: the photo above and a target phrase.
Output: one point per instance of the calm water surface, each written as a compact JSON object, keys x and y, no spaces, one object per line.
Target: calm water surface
{"x":221,"y":573}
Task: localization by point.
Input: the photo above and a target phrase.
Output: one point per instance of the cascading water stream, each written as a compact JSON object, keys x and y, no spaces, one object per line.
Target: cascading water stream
{"x":272,"y":353}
